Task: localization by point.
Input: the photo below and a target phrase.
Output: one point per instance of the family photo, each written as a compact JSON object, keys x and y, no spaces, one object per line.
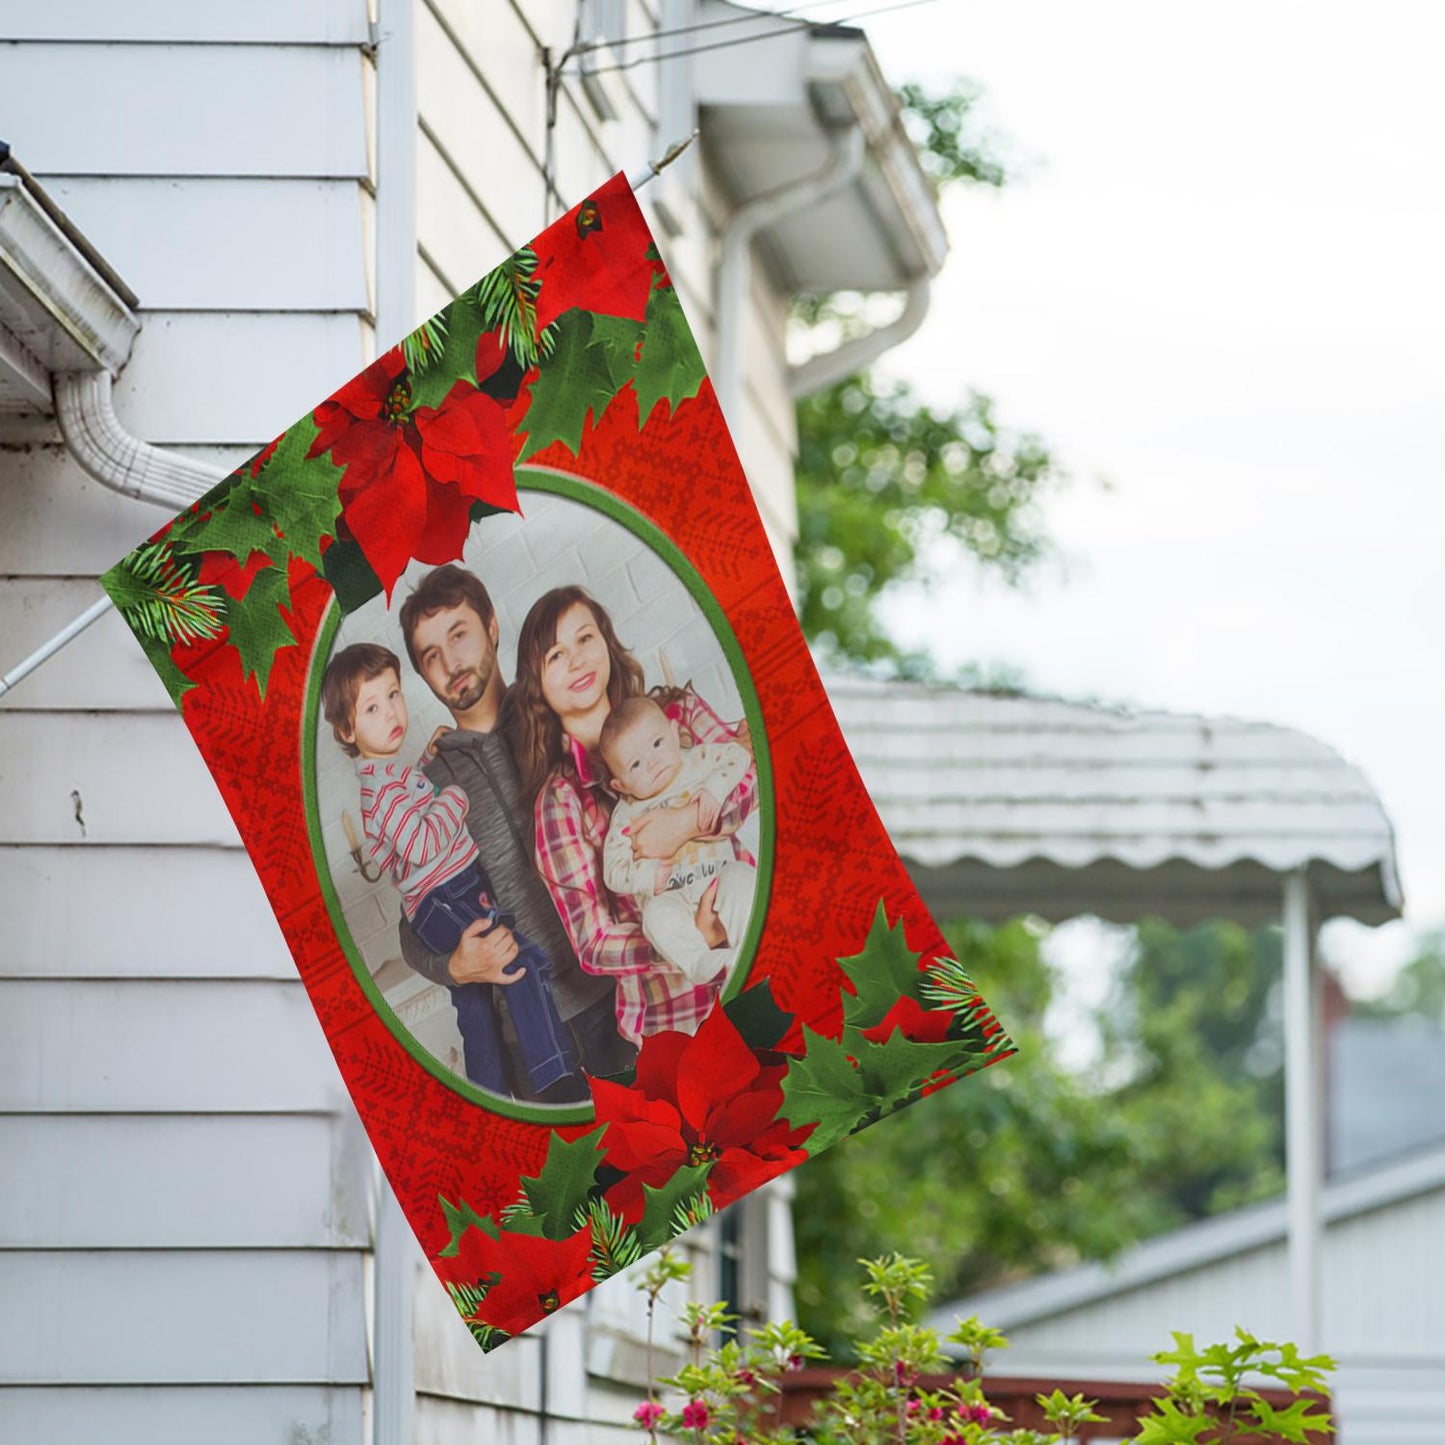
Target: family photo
{"x":538,"y":801}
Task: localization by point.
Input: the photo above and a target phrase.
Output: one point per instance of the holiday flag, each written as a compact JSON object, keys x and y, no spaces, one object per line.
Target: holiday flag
{"x":492,"y":664}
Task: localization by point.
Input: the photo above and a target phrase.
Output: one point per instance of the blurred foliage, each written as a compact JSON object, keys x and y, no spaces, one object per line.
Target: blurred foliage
{"x":1418,"y":990}
{"x":890,"y":489}
{"x":885,"y":484}
{"x":1030,"y":1167}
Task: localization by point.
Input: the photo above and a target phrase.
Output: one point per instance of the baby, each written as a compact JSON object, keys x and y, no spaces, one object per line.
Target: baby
{"x":643,"y":751}
{"x":419,"y":838}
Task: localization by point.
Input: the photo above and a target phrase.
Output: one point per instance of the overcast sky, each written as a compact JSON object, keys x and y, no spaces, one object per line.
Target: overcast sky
{"x":1217,"y":284}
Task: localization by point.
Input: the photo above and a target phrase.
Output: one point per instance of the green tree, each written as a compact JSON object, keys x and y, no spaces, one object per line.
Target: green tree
{"x":891,"y":490}
{"x":1031,"y":1167}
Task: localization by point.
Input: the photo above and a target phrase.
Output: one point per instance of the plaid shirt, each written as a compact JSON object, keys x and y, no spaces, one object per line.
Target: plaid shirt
{"x":573,"y":810}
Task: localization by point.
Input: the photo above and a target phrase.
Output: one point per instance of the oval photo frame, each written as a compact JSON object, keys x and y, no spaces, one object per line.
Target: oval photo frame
{"x":336,"y":856}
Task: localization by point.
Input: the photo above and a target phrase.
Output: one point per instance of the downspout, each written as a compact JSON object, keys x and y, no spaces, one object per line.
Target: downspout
{"x":829,"y":367}
{"x":734,"y":273}
{"x":394,"y":1256}
{"x":96,"y":439}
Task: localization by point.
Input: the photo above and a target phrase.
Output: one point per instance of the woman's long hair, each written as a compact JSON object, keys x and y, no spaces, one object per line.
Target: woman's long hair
{"x":537,"y":739}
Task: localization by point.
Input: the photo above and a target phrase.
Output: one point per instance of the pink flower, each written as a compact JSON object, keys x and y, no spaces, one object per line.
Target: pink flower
{"x":795,"y":1362}
{"x":695,"y":1415}
{"x":648,"y":1413}
{"x":936,"y":1413}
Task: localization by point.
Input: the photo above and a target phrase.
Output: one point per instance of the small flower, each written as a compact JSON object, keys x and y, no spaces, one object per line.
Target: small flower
{"x":745,"y":1376}
{"x":695,"y":1415}
{"x":795,"y":1362}
{"x":976,"y":1414}
{"x":913,"y":1407}
{"x":936,"y":1413}
{"x":648,"y":1413}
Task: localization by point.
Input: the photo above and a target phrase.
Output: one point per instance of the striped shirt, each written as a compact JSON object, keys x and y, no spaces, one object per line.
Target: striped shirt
{"x":572,"y":814}
{"x":415,"y":834}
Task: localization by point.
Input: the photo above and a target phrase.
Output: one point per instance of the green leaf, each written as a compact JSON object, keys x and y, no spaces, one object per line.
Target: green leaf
{"x":565,"y":1183}
{"x":238,"y":525}
{"x":350,"y":575}
{"x":1171,"y":1426}
{"x":669,"y":367}
{"x":465,"y":324}
{"x":591,"y":362}
{"x":461,"y":1217}
{"x":1295,"y":1422}
{"x":301,"y":494}
{"x":885,"y":971}
{"x":757,"y":1017}
{"x":895,"y":1070}
{"x":824,"y":1089}
{"x":660,"y":1205}
{"x":258,"y":630}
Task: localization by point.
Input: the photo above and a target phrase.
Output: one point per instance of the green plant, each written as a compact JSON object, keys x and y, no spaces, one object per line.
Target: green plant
{"x":732,"y":1394}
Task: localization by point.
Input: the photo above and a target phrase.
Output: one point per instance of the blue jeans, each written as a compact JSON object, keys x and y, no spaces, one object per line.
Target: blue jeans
{"x":547,"y":1053}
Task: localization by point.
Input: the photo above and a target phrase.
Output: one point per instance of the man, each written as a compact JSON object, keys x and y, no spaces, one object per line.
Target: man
{"x":451,"y":633}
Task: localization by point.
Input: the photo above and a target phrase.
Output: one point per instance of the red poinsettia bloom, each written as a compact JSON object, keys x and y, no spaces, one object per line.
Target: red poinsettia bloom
{"x":703,"y":1099}
{"x":411,"y":476}
{"x":530,"y":1277}
{"x":595,"y":257}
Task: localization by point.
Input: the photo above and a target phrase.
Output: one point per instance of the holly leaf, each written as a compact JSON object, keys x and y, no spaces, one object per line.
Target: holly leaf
{"x":565,"y":1183}
{"x":885,"y":971}
{"x":591,"y":361}
{"x":659,"y":1205}
{"x":465,"y":322}
{"x":893,"y":1071}
{"x":258,"y":630}
{"x":756,"y":1016}
{"x":238,"y":525}
{"x":669,"y":367}
{"x":461,"y":1217}
{"x":824,"y":1089}
{"x":301,"y":494}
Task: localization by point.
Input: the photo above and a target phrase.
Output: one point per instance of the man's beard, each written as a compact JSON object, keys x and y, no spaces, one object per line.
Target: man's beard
{"x":473,"y":682}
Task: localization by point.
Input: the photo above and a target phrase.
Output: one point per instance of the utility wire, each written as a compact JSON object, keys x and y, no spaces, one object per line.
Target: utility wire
{"x":748,"y":39}
{"x":748,"y":19}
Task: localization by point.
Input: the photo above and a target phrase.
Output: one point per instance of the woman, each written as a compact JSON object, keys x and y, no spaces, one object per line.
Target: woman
{"x":571,"y":672}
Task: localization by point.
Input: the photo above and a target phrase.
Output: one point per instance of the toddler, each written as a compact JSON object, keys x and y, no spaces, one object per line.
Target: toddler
{"x":418,"y":837}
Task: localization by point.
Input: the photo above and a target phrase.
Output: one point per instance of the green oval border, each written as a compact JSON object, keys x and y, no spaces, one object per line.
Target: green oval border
{"x":540,"y":479}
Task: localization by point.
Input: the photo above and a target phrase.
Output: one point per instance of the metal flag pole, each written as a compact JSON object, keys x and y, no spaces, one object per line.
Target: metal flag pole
{"x":98,"y":609}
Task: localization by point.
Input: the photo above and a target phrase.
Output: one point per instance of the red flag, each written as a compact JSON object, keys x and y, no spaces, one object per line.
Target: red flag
{"x":490,"y":659}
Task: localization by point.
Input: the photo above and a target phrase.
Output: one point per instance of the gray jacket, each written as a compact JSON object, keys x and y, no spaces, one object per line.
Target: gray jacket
{"x":481,"y":764}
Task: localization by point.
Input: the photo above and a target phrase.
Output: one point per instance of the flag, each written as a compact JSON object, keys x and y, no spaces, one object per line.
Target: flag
{"x":491,"y":661}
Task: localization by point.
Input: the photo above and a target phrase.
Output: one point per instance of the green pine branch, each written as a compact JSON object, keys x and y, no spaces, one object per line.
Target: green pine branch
{"x":161,"y":597}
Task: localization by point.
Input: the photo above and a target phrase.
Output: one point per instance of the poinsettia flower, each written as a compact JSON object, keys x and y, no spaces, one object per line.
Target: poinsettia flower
{"x":593,"y":257}
{"x":526,"y":1276}
{"x":410,"y":476}
{"x":696,"y":1099}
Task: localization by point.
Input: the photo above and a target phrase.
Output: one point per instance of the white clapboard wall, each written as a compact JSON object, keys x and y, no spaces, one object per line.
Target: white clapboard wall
{"x":188,"y":1201}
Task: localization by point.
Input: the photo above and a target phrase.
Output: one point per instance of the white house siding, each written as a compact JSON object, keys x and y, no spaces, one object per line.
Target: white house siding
{"x":1384,"y":1320}
{"x":480,"y":191}
{"x":187,"y":1199}
{"x":186,"y":1219}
